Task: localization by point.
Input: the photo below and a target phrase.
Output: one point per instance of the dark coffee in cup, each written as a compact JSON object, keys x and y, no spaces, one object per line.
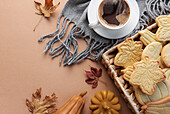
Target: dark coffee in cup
{"x":114,"y":13}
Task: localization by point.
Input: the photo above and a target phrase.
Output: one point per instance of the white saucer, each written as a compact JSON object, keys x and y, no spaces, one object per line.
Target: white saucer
{"x":113,"y":34}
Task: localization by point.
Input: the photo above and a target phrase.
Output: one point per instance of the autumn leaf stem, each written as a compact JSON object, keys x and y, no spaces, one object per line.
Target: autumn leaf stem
{"x":38,"y":23}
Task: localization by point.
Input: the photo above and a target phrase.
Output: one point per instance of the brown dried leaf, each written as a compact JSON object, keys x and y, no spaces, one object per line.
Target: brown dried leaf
{"x":47,"y":9}
{"x":47,"y":106}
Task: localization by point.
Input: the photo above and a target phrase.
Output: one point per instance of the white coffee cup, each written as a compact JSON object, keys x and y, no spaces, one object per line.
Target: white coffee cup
{"x":99,"y":20}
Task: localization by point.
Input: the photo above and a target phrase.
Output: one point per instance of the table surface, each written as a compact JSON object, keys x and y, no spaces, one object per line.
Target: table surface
{"x":24,"y":67}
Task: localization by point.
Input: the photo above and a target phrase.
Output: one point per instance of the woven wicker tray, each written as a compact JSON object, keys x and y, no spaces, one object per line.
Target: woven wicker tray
{"x":115,"y":73}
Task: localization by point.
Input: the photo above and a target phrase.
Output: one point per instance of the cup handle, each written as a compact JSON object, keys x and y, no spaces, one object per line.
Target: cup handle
{"x":94,"y":24}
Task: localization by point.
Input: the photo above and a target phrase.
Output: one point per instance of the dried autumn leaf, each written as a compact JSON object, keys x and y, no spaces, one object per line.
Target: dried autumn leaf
{"x":47,"y":9}
{"x":46,"y":106}
{"x":93,"y":76}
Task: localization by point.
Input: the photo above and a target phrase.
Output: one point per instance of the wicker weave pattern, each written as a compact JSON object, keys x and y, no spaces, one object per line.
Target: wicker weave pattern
{"x":115,"y":73}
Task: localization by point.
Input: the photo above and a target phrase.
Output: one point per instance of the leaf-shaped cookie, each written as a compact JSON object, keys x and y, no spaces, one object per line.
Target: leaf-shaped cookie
{"x":127,"y":73}
{"x":161,"y":106}
{"x":163,"y":34}
{"x":162,"y":90}
{"x":163,"y":20}
{"x":146,"y":74}
{"x":129,"y":53}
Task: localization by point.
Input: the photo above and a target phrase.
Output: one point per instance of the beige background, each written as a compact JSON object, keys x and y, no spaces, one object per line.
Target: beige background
{"x":24,"y":67}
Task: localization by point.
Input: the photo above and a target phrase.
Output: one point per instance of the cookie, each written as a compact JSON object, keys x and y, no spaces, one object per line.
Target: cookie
{"x":152,"y":50}
{"x":161,"y":106}
{"x":129,"y":52}
{"x":162,"y":90}
{"x":165,"y":55}
{"x":147,"y":37}
{"x":163,"y":20}
{"x":146,"y":74}
{"x":163,"y":34}
{"x":167,"y":73}
{"x":127,"y":73}
{"x":161,"y":63}
{"x":141,"y":97}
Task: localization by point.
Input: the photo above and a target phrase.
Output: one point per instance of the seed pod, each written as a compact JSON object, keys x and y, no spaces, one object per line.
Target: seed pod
{"x":73,"y":106}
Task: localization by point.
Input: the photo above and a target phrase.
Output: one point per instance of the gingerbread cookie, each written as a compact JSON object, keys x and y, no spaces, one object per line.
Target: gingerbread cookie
{"x":129,"y":53}
{"x":165,"y":55}
{"x":152,"y":50}
{"x":161,"y":106}
{"x":146,"y":74}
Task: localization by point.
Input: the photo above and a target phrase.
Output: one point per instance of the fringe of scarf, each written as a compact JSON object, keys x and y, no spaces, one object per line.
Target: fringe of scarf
{"x":95,"y":49}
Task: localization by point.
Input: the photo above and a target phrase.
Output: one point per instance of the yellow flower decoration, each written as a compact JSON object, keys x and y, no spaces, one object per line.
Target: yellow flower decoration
{"x":104,"y":102}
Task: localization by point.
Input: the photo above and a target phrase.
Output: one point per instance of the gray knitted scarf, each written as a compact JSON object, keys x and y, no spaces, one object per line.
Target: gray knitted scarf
{"x":75,"y":11}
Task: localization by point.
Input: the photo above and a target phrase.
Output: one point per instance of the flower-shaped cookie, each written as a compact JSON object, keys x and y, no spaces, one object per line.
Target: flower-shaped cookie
{"x":104,"y":102}
{"x":129,"y":53}
{"x":146,"y":74}
{"x":163,"y":32}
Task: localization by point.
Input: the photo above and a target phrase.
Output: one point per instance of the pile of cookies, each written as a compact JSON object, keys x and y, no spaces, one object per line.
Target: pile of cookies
{"x":147,"y":67}
{"x":142,"y":66}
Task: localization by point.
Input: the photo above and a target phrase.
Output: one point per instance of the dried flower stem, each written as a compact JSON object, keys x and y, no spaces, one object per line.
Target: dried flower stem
{"x":38,"y":23}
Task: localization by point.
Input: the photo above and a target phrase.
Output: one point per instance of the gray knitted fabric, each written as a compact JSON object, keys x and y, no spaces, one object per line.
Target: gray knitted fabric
{"x":75,"y":11}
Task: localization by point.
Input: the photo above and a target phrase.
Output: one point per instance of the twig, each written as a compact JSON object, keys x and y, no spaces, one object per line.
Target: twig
{"x":38,"y":23}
